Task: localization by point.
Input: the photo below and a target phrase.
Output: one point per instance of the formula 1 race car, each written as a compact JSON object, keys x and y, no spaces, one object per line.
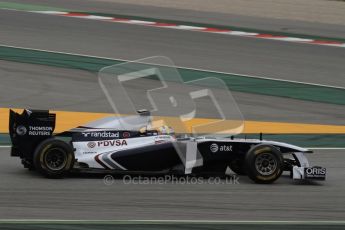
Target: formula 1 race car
{"x":96,"y":148}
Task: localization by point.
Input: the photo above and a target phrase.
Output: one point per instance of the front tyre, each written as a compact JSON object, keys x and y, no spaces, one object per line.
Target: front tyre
{"x":53,"y":158}
{"x":264,"y":164}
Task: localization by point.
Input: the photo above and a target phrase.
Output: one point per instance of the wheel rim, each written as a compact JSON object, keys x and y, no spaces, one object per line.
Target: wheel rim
{"x":55,"y":159}
{"x":266,"y":164}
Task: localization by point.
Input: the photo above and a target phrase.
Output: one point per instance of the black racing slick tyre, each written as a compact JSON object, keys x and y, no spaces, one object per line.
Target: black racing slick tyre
{"x":53,"y":158}
{"x":264,"y":164}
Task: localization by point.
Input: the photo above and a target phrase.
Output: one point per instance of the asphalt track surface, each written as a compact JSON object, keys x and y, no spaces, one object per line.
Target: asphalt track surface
{"x":299,"y":62}
{"x":24,"y":194}
{"x":27,"y":195}
{"x":44,"y":87}
{"x":278,"y":25}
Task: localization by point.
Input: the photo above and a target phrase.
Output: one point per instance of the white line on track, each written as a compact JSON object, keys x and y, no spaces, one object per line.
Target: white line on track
{"x":181,"y":67}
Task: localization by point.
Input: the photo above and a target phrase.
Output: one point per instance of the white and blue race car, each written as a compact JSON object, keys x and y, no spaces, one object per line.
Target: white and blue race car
{"x":97,"y":148}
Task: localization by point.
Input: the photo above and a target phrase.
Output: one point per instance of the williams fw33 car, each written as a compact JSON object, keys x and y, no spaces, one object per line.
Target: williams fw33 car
{"x":97,"y":148}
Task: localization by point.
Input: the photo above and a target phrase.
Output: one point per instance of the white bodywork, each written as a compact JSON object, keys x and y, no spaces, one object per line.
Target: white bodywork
{"x":86,"y":151}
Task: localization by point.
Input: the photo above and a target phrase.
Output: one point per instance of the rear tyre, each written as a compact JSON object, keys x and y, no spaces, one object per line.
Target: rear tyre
{"x":264,"y":164}
{"x":53,"y":158}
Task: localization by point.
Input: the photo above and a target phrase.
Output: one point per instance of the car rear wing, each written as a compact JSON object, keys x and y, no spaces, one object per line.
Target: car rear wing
{"x":29,"y":129}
